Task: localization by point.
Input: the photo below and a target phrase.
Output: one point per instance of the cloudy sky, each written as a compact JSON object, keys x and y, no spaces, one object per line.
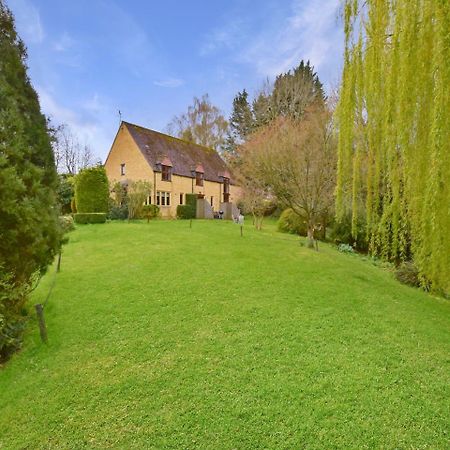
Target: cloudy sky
{"x":148,"y":58}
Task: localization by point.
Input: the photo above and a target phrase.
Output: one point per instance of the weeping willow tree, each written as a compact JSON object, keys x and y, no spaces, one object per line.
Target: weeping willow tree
{"x":394,"y":131}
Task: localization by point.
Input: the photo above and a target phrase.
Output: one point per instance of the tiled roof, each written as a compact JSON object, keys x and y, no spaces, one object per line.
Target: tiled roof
{"x":184,"y":156}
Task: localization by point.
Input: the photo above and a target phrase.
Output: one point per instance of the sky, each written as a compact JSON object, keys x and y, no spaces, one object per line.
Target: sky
{"x":88,"y":59}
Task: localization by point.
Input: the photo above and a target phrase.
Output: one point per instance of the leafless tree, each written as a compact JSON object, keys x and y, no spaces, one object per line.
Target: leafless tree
{"x":203,"y":123}
{"x":70,"y":155}
{"x":296,"y":160}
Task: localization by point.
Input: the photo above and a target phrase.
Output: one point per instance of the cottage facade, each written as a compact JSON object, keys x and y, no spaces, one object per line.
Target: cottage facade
{"x":173,"y":166}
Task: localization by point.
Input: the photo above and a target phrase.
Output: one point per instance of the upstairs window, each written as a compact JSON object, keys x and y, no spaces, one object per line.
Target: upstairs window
{"x":226,"y":185}
{"x":166,"y":173}
{"x":226,"y":190}
{"x":198,"y":179}
{"x":181,"y":199}
{"x":122,"y":169}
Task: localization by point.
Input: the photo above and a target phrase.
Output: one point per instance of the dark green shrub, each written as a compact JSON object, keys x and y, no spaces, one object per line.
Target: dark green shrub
{"x":92,"y":190}
{"x":118,"y":212}
{"x":189,"y":210}
{"x":84,"y":218}
{"x":290,"y":222}
{"x":65,"y":193}
{"x":407,"y":273}
{"x":150,"y":212}
{"x":30,"y":233}
{"x":341,"y":233}
{"x":12,"y":312}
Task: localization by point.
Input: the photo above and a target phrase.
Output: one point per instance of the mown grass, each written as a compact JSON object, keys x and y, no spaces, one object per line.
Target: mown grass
{"x":162,"y":336}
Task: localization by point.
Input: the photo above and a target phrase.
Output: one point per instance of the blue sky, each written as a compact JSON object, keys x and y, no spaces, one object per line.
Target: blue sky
{"x":88,"y":59}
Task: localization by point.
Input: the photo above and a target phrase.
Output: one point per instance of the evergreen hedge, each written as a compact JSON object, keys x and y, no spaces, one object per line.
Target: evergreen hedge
{"x":29,"y":229}
{"x":92,"y":190}
{"x":189,"y":210}
{"x":85,"y":218}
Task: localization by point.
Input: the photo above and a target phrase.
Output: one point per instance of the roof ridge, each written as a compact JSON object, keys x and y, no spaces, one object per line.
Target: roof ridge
{"x":184,"y":141}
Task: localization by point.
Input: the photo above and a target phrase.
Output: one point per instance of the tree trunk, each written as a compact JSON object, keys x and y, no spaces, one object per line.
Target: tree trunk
{"x":310,"y":237}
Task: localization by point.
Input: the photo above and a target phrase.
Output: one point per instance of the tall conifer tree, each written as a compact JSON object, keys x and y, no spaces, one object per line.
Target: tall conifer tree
{"x":28,"y":213}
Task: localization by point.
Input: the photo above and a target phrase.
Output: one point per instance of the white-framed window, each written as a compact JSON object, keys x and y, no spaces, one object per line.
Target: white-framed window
{"x":148,"y":200}
{"x":162,"y":198}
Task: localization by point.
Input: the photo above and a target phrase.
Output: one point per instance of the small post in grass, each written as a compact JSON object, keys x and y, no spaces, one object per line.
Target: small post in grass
{"x":58,"y":267}
{"x":42,"y":328}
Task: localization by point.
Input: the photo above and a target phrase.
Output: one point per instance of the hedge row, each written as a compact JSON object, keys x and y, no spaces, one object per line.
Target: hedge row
{"x":189,"y":210}
{"x":92,"y":190}
{"x":84,"y":218}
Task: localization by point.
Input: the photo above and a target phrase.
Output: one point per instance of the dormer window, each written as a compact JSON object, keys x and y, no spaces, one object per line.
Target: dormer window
{"x":226,"y":190}
{"x":198,"y":178}
{"x":166,"y":173}
{"x":122,"y":169}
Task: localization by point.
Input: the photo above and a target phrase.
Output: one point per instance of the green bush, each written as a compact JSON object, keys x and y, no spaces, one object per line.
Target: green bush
{"x":29,"y":229}
{"x":84,"y":218}
{"x":341,"y":233}
{"x":407,"y":273}
{"x":65,"y":193}
{"x":92,"y":190}
{"x":189,"y":210}
{"x":150,"y":212}
{"x":12,"y":313}
{"x":118,"y":212}
{"x":345,"y":248}
{"x":290,"y":222}
{"x":66,"y":223}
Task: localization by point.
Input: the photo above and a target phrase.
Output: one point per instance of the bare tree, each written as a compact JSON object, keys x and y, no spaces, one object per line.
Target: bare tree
{"x":203,"y":123}
{"x":70,"y":155}
{"x":297,"y":161}
{"x":256,"y":200}
{"x":137,"y":193}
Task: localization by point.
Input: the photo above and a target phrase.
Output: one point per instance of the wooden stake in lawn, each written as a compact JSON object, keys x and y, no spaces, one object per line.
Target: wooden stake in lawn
{"x":58,"y":267}
{"x":41,"y":320}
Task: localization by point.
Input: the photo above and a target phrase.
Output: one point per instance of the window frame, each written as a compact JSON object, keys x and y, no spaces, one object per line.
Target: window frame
{"x":166,"y":173}
{"x":199,"y":178}
{"x":163,"y":198}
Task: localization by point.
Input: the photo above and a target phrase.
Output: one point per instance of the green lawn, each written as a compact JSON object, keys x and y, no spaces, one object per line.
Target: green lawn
{"x":162,"y":336}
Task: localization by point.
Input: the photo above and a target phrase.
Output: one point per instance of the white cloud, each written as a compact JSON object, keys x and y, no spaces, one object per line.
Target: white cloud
{"x":169,"y":83}
{"x":95,"y":132}
{"x":64,"y":43}
{"x":28,"y":21}
{"x":228,"y":37}
{"x":309,"y":33}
